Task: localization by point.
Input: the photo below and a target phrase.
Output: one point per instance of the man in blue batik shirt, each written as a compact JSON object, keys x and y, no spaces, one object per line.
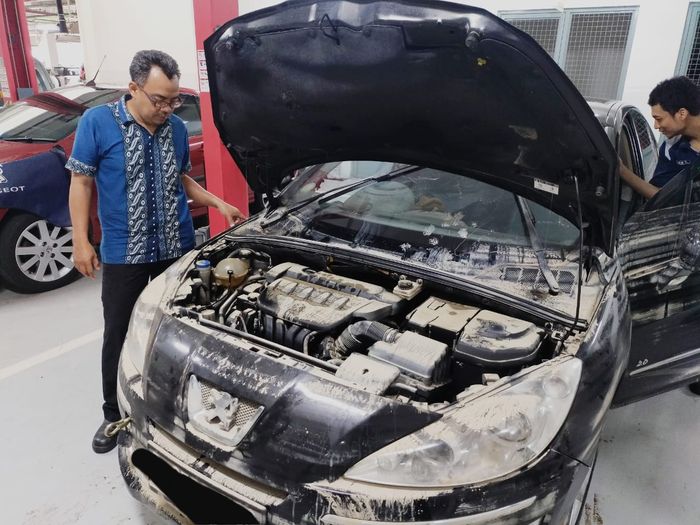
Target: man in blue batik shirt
{"x":137,"y":152}
{"x":675,"y":108}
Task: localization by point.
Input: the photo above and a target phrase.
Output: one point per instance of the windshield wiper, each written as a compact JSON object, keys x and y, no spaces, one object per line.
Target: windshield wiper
{"x":26,"y":139}
{"x":537,"y":246}
{"x":323,"y":197}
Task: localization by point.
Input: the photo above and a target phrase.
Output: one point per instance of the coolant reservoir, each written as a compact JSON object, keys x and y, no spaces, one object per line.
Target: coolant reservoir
{"x":231,"y":272}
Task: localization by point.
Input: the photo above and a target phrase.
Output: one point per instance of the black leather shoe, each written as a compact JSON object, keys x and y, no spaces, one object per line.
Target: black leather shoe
{"x":102,"y":443}
{"x":695,"y":388}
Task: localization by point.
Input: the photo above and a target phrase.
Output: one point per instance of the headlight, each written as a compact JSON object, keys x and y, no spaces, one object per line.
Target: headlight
{"x":484,"y":438}
{"x":148,"y":310}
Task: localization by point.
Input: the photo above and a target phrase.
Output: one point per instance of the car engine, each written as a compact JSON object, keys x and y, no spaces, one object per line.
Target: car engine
{"x":387,"y":334}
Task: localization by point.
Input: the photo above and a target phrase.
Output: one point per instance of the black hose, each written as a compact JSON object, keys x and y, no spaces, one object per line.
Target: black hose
{"x":358,"y":336}
{"x":221,"y":300}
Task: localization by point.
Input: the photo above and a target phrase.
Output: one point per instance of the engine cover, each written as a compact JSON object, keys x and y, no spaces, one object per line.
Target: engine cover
{"x":322,"y":301}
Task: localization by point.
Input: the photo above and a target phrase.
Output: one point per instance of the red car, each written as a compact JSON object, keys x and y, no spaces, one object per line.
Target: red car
{"x":35,"y":246}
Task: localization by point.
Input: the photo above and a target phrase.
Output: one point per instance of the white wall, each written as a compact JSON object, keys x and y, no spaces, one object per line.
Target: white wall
{"x":120,"y":29}
{"x":246,"y":6}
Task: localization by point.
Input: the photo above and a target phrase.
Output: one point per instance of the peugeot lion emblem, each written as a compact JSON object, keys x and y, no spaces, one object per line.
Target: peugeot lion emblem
{"x":215,"y":414}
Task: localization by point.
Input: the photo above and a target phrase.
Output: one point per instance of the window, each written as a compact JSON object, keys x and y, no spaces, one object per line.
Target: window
{"x":189,"y":113}
{"x":647,"y":143}
{"x":426,"y":208}
{"x":544,"y":28}
{"x":689,"y":56}
{"x":590,"y":45}
{"x":24,"y":122}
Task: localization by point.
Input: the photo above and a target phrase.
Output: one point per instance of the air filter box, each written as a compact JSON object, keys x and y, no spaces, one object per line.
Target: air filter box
{"x":496,"y":340}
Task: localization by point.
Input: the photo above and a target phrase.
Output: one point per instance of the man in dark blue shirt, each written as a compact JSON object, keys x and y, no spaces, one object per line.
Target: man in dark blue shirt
{"x":137,"y":152}
{"x":675,"y":108}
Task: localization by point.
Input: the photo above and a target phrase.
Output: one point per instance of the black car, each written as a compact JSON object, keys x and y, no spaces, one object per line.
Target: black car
{"x":445,"y":295}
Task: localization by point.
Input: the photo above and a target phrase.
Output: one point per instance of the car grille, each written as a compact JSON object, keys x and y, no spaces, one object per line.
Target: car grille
{"x":246,"y":409}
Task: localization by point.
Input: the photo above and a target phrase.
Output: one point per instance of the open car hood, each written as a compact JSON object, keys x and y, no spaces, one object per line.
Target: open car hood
{"x":434,"y":84}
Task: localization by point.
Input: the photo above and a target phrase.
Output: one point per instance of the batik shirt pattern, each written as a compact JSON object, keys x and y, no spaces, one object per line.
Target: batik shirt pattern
{"x":141,"y":201}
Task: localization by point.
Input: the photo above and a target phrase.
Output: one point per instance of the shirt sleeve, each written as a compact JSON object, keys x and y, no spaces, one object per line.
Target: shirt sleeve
{"x":661,"y":164}
{"x":84,"y":157}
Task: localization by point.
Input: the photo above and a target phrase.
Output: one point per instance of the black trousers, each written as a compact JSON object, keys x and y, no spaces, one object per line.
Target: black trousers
{"x":121,"y":286}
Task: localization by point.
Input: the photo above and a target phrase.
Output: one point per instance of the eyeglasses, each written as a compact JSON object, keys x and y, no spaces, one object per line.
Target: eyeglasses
{"x":162,"y":103}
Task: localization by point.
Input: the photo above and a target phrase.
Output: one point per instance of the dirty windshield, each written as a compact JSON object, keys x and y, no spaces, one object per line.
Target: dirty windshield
{"x":414,"y":209}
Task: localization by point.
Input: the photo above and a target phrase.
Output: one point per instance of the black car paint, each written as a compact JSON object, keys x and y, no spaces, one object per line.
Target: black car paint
{"x":664,"y":315}
{"x":264,"y":455}
{"x":555,"y":473}
{"x":300,"y":437}
{"x":603,"y":350}
{"x":561,"y":470}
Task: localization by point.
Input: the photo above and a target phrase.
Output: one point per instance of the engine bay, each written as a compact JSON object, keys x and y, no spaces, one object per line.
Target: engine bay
{"x":386,"y":333}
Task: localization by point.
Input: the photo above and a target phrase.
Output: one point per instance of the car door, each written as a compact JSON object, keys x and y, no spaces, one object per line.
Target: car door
{"x":658,"y":247}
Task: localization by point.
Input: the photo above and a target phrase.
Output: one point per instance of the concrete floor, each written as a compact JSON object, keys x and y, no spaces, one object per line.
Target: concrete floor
{"x":647,"y":471}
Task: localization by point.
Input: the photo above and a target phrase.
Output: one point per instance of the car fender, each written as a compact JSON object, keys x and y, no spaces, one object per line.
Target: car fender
{"x":37,"y":185}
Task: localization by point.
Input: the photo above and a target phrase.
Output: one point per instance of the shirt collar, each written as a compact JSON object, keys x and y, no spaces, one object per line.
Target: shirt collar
{"x":684,"y":143}
{"x":124,"y":114}
{"x":127,"y":118}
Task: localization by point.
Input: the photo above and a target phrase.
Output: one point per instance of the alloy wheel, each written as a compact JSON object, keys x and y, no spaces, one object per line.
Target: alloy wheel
{"x":43,"y":251}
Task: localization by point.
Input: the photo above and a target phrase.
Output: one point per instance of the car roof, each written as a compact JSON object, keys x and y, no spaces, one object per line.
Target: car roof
{"x":604,"y":110}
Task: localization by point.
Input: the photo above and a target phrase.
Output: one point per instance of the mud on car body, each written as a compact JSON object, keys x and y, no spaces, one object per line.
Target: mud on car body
{"x":431,"y":335}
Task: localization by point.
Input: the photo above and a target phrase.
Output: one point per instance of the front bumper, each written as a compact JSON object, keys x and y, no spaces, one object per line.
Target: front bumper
{"x":188,"y":486}
{"x":254,"y":504}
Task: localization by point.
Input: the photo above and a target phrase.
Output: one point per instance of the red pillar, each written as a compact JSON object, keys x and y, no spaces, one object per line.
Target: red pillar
{"x":223,"y":177}
{"x":17,"y":50}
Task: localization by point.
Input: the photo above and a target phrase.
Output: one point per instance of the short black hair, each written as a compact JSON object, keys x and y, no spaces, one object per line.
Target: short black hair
{"x":676,"y":93}
{"x":144,"y":60}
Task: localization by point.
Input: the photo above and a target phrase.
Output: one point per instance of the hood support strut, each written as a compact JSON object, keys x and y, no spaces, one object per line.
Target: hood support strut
{"x":579,"y":277}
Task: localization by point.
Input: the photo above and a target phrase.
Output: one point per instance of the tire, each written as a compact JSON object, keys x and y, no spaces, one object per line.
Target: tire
{"x":35,"y":256}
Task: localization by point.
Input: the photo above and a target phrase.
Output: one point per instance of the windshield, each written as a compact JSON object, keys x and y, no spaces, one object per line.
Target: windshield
{"x":21,"y":121}
{"x":417,"y":208}
{"x":322,"y":178}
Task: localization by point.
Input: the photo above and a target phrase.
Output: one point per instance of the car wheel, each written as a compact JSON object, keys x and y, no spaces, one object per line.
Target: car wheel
{"x":35,"y":255}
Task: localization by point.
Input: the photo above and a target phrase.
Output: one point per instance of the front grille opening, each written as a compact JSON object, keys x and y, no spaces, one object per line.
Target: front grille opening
{"x":246,"y":409}
{"x":197,"y":502}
